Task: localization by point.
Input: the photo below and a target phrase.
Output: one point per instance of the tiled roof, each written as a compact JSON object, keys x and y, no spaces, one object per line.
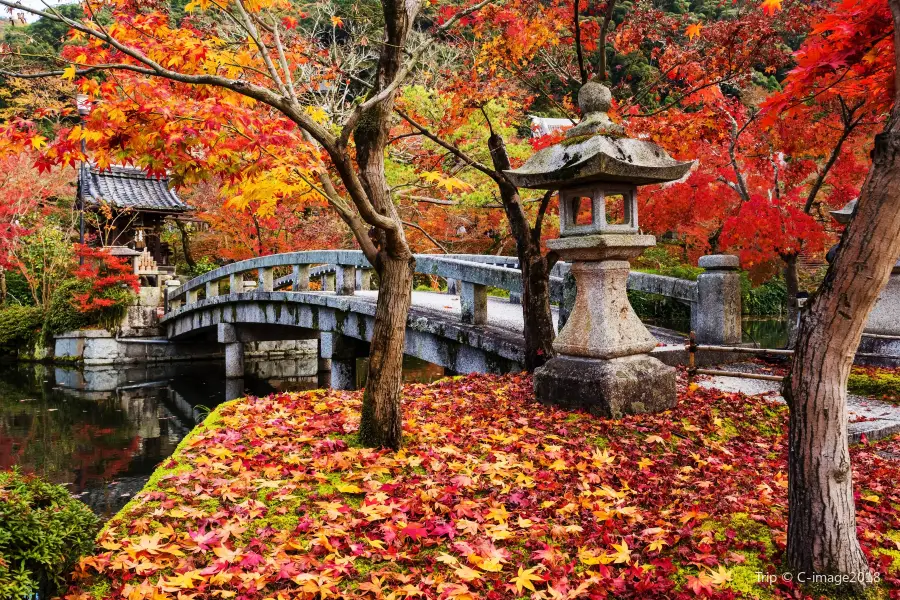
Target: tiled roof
{"x":126,"y":187}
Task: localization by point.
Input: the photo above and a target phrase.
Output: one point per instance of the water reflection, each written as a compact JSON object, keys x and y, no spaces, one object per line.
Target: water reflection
{"x":767,"y":332}
{"x":103,"y":431}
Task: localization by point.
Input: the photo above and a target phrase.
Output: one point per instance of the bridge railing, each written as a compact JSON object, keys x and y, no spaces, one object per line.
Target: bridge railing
{"x":345,"y":271}
{"x":711,"y":298}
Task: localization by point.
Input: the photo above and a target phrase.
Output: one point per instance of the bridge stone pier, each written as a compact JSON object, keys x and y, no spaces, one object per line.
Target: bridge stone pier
{"x":268,"y":299}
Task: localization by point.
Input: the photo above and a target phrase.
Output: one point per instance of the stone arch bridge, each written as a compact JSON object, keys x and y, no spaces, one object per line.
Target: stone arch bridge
{"x":463,"y":330}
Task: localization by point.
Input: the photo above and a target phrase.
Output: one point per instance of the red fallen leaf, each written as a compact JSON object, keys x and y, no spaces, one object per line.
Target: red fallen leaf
{"x":252,"y":559}
{"x":414,"y":531}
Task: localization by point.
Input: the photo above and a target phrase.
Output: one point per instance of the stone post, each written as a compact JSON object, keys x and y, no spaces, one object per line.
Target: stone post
{"x":718,"y":315}
{"x":328,"y":282}
{"x":234,"y":388}
{"x":266,"y":280}
{"x":342,"y":353}
{"x":364,"y":279}
{"x":212,"y":289}
{"x":473,"y":303}
{"x":226,"y":334}
{"x":343,"y":374}
{"x":345,"y":280}
{"x":301,"y":278}
{"x":192,"y":296}
{"x":885,"y":317}
{"x":515,"y":298}
{"x":452,"y":287}
{"x":236,"y":283}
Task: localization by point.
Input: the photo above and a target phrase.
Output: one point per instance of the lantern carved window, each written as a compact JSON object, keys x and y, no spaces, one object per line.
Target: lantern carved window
{"x":598,"y":208}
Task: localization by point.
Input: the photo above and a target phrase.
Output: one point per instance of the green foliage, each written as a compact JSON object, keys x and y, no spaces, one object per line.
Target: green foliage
{"x":63,"y":315}
{"x":17,"y":290}
{"x":19,"y":326}
{"x":767,"y":299}
{"x":204,"y":265}
{"x":660,"y":261}
{"x":43,"y":532}
{"x":654,"y":307}
{"x":52,"y":33}
{"x":46,"y":255}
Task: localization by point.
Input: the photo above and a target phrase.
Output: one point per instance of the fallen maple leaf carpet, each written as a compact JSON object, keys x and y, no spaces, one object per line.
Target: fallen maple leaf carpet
{"x":492,"y":496}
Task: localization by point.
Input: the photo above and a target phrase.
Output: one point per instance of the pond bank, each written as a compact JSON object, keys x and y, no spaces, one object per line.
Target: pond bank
{"x":101,"y":431}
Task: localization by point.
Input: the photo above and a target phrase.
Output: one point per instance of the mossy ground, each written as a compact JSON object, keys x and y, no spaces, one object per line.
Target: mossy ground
{"x":883,"y":384}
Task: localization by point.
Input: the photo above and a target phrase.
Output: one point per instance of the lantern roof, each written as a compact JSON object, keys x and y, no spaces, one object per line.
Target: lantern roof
{"x":845,"y":214}
{"x":597,"y":150}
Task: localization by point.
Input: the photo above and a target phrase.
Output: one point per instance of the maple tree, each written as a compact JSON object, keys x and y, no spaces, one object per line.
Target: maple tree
{"x":248,"y":89}
{"x":822,"y":535}
{"x":35,"y":222}
{"x":232,"y":233}
{"x":495,"y":496}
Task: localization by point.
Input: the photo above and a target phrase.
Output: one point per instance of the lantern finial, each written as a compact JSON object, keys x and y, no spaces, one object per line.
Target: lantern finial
{"x":595,"y":100}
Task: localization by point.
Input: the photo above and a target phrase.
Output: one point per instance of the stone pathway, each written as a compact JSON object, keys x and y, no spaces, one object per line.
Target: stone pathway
{"x":874,"y":418}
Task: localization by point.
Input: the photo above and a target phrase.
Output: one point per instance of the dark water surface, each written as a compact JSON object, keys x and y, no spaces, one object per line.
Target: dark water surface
{"x":768,"y":332}
{"x":101,"y":432}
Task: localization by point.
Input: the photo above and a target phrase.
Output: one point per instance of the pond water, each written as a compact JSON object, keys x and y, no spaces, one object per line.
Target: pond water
{"x":768,"y":332}
{"x":102,"y":432}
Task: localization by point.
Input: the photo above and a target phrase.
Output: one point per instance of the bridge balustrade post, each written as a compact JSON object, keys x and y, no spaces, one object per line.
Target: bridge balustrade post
{"x":192,"y":295}
{"x":301,"y":278}
{"x":364,"y":279}
{"x":234,"y":350}
{"x":266,"y":279}
{"x":328,"y":282}
{"x":718,"y":316}
{"x":452,"y":287}
{"x":342,"y":352}
{"x":345,"y":280}
{"x":236,"y":283}
{"x":473,"y":303}
{"x":212,"y":289}
{"x":515,"y":298}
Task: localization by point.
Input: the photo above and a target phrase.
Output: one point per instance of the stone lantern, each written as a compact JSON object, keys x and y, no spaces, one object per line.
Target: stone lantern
{"x":603,"y":363}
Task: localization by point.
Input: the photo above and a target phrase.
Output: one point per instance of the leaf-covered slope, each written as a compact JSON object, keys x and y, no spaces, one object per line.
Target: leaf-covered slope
{"x":493,"y":496}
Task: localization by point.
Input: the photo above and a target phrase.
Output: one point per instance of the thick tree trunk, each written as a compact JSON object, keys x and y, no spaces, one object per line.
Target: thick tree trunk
{"x":381,"y":424}
{"x":792,"y":282}
{"x":822,"y":520}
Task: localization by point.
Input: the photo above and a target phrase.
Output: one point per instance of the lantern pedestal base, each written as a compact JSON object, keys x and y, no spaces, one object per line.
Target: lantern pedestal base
{"x":608,"y":388}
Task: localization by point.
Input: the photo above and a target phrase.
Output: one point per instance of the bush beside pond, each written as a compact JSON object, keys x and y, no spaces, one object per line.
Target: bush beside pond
{"x":43,"y":533}
{"x":20,"y":326}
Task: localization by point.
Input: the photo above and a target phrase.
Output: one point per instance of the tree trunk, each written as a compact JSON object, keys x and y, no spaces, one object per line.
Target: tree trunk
{"x":186,"y":244}
{"x":539,"y":331}
{"x":792,"y":282}
{"x":381,"y":423}
{"x":822,"y":519}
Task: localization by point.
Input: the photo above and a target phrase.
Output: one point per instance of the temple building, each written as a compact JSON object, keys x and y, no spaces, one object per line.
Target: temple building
{"x":125,"y":208}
